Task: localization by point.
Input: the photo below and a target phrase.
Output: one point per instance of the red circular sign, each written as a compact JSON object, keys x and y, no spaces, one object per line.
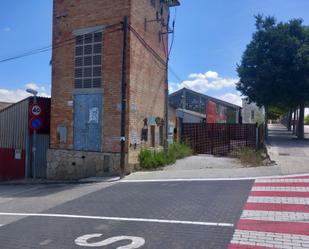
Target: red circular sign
{"x":36,"y":110}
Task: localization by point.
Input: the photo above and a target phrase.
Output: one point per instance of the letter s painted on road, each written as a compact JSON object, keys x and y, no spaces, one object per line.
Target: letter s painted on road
{"x":136,"y":242}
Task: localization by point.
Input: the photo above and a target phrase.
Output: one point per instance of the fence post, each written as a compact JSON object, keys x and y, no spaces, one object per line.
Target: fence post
{"x":229,"y":137}
{"x":181,"y":132}
{"x":257,"y":137}
{"x":212,"y":138}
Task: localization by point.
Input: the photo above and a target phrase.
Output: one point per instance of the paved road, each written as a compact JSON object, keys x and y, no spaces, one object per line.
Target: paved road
{"x":158,"y":215}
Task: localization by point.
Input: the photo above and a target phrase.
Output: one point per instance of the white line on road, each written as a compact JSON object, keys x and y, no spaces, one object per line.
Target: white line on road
{"x":275,"y":178}
{"x":282,"y":180}
{"x":285,"y":189}
{"x":275,"y":216}
{"x":198,"y":223}
{"x":187,"y":180}
{"x":278,"y":200}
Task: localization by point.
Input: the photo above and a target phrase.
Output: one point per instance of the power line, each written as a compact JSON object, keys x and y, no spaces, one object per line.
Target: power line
{"x":175,"y":74}
{"x":57,"y":45}
{"x":173,"y":34}
{"x":68,"y":41}
{"x":147,"y":46}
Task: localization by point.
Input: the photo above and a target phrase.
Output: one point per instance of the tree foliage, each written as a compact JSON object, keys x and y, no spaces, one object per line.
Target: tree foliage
{"x":274,"y":70}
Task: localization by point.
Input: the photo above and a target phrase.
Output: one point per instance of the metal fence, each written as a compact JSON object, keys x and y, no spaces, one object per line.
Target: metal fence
{"x":221,"y":139}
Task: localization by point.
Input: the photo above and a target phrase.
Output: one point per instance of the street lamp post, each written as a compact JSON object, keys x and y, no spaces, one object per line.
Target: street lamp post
{"x":34,"y":93}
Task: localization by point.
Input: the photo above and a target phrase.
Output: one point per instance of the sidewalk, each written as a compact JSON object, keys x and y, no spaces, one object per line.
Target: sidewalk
{"x":291,"y":155}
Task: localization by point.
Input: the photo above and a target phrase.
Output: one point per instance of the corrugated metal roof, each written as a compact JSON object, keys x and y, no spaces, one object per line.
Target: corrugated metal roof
{"x":191,"y":113}
{"x":219,"y":101}
{"x":4,"y":105}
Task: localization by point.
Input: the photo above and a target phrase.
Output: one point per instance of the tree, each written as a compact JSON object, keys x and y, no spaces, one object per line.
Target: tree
{"x":275,"y":66}
{"x":307,"y":120}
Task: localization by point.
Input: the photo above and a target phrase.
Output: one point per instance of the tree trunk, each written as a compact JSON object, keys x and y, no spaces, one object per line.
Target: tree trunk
{"x":294,"y":121}
{"x":266,"y":124}
{"x":300,"y":128}
{"x":290,"y":119}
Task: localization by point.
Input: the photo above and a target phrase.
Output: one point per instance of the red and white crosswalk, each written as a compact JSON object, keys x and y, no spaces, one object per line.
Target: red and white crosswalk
{"x":276,"y":215}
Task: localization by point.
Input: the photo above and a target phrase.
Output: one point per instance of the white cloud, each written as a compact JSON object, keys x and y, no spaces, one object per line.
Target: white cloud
{"x":231,"y":98}
{"x":7,"y":29}
{"x":203,"y":82}
{"x":19,"y":94}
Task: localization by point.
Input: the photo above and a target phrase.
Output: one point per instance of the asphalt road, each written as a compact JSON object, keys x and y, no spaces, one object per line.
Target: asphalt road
{"x":158,"y":215}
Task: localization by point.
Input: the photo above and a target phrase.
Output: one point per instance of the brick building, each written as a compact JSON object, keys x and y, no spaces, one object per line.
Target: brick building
{"x":87,"y":81}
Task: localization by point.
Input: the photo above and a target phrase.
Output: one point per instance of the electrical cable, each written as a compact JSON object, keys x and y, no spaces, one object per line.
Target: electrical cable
{"x":51,"y":47}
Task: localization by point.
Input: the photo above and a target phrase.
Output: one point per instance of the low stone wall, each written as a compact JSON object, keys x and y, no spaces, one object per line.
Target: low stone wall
{"x":70,"y":164}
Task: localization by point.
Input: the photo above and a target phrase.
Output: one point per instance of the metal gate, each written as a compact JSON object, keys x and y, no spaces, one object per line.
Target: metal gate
{"x":42,"y":145}
{"x":87,"y":122}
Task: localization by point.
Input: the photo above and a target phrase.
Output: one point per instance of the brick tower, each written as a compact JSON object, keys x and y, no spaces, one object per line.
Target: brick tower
{"x":87,"y":64}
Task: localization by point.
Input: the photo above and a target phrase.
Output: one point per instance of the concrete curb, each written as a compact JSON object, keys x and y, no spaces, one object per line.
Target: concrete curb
{"x":54,"y":182}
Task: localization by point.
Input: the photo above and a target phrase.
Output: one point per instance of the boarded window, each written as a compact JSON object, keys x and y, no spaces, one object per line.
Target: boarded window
{"x":88,"y":60}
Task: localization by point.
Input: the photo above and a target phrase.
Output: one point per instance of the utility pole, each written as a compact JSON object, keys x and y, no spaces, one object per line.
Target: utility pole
{"x":34,"y":146}
{"x":166,"y":105}
{"x":123,"y":97}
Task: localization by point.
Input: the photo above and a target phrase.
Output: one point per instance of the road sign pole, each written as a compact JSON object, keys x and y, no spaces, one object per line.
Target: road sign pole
{"x":34,"y":148}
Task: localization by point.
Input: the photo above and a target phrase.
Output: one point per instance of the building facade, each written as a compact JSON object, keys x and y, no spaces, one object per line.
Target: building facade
{"x":16,"y":139}
{"x":87,"y":65}
{"x":216,"y":110}
{"x":251,"y":113}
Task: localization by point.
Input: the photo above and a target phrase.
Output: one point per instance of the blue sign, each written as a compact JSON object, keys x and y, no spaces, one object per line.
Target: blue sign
{"x":36,"y":123}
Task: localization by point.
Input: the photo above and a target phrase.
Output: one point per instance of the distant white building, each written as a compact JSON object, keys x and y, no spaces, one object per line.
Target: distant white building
{"x":251,"y":113}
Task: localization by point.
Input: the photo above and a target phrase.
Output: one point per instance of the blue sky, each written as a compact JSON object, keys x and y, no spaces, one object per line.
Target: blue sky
{"x":210,"y":38}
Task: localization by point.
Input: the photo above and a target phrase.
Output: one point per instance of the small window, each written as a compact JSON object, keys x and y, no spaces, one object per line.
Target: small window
{"x":153,"y":3}
{"x":252,"y":115}
{"x":88,"y":60}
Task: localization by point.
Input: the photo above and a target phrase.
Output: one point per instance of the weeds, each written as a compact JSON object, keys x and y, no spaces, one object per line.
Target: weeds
{"x":250,"y":157}
{"x":149,"y":159}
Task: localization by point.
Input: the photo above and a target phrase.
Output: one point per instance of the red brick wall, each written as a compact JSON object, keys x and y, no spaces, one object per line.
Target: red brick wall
{"x":147,"y":74}
{"x":83,"y":14}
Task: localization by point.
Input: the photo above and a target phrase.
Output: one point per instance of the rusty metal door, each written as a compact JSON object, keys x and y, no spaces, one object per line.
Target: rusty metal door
{"x":87,"y":122}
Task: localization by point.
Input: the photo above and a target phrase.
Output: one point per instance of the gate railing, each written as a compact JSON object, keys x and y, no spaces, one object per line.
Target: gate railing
{"x":221,"y":139}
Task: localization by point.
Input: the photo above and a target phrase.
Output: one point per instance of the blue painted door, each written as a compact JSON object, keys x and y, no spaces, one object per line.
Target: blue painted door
{"x":87,"y":122}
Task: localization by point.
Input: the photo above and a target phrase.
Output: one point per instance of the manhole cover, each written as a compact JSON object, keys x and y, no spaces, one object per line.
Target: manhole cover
{"x":284,"y":154}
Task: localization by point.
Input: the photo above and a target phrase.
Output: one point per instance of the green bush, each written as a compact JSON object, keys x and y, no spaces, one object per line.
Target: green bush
{"x":149,"y":159}
{"x":307,"y":120}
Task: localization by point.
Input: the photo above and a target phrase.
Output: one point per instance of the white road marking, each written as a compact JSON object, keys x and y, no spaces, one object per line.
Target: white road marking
{"x":187,"y":180}
{"x":1,"y":225}
{"x":283,"y":180}
{"x":136,"y":242}
{"x":198,"y":223}
{"x":272,"y":240}
{"x":275,"y":216}
{"x":278,"y":178}
{"x":278,"y":200}
{"x":290,"y":189}
{"x":46,"y":242}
